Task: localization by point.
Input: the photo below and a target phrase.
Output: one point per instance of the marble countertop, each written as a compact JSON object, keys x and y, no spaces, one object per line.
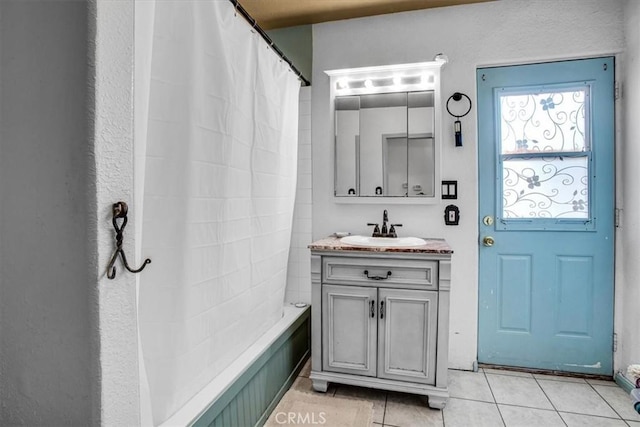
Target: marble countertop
{"x":432,"y":246}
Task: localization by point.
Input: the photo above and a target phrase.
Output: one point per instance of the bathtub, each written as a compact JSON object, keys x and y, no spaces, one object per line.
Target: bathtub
{"x":248,"y":390}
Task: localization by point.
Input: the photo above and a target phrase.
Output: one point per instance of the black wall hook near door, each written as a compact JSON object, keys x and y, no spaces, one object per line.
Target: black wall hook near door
{"x":120,"y":210}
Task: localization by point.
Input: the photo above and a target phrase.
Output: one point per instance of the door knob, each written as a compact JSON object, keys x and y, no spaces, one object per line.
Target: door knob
{"x":488,"y":241}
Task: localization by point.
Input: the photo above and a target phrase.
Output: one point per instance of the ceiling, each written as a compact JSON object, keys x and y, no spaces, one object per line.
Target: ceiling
{"x":271,"y":14}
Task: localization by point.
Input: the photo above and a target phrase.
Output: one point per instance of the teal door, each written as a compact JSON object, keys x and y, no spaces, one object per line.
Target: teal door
{"x":546,"y":208}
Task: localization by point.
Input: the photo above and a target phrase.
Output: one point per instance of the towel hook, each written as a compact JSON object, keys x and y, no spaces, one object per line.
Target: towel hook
{"x":457,"y":125}
{"x":120,"y":210}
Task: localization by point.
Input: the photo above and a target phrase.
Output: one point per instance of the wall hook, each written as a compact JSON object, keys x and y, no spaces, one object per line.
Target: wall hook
{"x":120,"y":210}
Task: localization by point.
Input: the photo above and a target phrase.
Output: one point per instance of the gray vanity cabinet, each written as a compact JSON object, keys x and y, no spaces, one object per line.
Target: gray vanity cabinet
{"x":379,"y":332}
{"x":381,"y":320}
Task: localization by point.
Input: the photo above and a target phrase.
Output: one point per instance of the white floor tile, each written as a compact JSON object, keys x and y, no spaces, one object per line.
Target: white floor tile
{"x":465,"y":413}
{"x":377,"y":397}
{"x":518,"y":391}
{"x":619,"y":400}
{"x":469,"y":385}
{"x":523,"y":401}
{"x":517,"y":416}
{"x":306,"y":369}
{"x":577,"y":420}
{"x":558,"y":378}
{"x":305,"y":385}
{"x":409,"y":410}
{"x":576,"y":398}
{"x":509,"y":373}
{"x":610,"y":383}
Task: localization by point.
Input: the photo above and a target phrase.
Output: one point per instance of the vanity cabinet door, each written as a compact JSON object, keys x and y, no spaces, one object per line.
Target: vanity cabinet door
{"x":349,"y":325}
{"x":407,"y":335}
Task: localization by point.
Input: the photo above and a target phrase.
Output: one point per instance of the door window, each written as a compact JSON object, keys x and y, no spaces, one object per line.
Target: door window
{"x":544,"y":157}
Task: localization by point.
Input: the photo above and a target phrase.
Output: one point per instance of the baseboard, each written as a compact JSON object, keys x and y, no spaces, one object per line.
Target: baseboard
{"x":623,"y":382}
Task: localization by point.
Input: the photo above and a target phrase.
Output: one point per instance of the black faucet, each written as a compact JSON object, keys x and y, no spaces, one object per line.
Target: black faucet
{"x":385,"y":231}
{"x":385,"y":219}
{"x":376,"y":229}
{"x":392,"y":230}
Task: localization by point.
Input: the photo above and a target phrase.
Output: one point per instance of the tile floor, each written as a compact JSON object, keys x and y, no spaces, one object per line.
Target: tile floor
{"x":499,"y":398}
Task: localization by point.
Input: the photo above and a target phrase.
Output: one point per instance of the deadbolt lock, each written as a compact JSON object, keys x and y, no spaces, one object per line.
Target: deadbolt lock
{"x":487,"y":220}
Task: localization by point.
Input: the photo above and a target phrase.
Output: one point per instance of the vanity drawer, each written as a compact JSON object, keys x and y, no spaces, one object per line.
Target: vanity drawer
{"x":382,"y":272}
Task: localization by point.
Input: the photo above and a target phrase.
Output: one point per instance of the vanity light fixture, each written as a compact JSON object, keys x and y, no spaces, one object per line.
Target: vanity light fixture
{"x":387,"y":84}
{"x":389,"y":78}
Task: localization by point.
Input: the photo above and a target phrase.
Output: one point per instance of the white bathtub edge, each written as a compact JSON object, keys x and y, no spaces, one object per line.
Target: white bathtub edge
{"x":195,"y":407}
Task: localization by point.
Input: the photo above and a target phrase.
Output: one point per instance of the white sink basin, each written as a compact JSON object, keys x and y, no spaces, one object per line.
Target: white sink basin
{"x":382,"y":241}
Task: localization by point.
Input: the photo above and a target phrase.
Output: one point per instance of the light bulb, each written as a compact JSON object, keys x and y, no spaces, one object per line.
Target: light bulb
{"x":343,"y":84}
{"x":426,"y":79}
{"x":397,"y":80}
{"x":368,"y":84}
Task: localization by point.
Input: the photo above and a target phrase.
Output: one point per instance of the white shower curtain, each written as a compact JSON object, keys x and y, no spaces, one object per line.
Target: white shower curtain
{"x":216,"y":144}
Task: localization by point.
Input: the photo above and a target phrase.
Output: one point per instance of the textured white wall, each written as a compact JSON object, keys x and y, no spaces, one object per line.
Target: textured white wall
{"x":628,"y":297}
{"x":46,"y":295}
{"x":111,"y":85}
{"x":496,"y":33}
{"x":68,"y":348}
{"x":299,"y":268}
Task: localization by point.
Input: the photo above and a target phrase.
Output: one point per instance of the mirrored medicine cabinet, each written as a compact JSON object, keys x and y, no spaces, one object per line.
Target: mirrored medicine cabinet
{"x":386,"y":128}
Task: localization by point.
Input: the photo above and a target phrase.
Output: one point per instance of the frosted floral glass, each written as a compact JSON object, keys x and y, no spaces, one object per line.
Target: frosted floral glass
{"x":551,"y":121}
{"x":549,"y":187}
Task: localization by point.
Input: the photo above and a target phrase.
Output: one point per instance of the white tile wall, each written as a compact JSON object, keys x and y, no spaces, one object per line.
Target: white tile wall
{"x":298,"y":274}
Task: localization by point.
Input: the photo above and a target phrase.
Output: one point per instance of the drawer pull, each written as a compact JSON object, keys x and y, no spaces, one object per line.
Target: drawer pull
{"x":382,"y":309}
{"x":366,"y":273}
{"x":373,"y":308}
{"x":428,"y":275}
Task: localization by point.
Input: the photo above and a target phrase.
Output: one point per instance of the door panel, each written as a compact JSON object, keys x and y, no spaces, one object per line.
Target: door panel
{"x":407,"y":353}
{"x":575,"y":296}
{"x":546,"y":177}
{"x":349,"y":319}
{"x":514,"y":284}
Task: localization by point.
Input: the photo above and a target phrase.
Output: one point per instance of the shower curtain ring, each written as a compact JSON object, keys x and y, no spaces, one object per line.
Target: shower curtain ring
{"x":119,"y":211}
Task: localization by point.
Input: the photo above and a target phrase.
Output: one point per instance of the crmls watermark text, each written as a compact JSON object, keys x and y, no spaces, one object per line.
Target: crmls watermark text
{"x":306,"y":418}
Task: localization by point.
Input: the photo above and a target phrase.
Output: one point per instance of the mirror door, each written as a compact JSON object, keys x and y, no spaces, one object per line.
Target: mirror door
{"x":385,"y":145}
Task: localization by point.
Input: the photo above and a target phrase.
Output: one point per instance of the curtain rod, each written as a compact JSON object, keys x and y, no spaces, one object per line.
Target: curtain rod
{"x":264,"y":35}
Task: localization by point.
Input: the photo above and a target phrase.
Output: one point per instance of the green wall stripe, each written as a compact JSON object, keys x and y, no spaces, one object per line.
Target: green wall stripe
{"x":251,"y":399}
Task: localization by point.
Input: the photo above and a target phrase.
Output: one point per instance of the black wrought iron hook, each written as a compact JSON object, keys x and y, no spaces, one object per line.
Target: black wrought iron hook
{"x":120,"y":211}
